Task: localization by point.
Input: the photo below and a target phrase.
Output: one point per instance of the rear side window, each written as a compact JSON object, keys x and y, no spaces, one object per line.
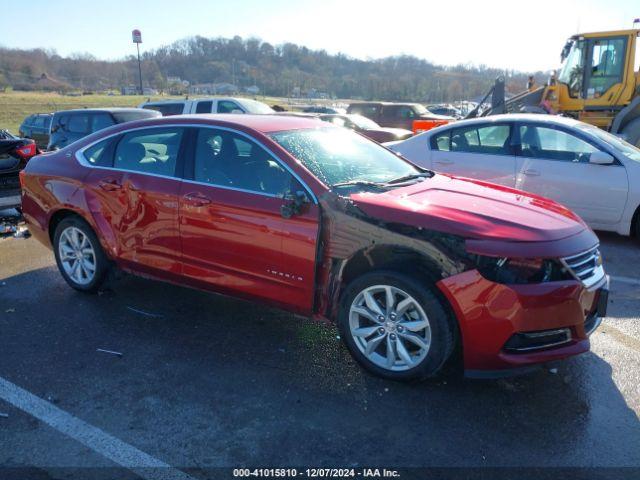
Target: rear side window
{"x":78,"y":123}
{"x":399,"y":111}
{"x":441,"y":142}
{"x":490,"y":139}
{"x":38,"y":122}
{"x":166,"y":109}
{"x":153,"y":151}
{"x":101,"y":121}
{"x":370,"y":111}
{"x":204,"y":107}
{"x":47,"y":121}
{"x":100,"y":154}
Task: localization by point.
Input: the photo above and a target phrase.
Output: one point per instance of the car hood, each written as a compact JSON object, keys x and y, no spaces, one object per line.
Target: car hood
{"x":398,"y":132}
{"x":473,"y":209}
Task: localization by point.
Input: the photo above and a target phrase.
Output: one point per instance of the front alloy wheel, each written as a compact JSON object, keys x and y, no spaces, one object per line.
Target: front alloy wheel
{"x":395,"y":327}
{"x":390,"y":327}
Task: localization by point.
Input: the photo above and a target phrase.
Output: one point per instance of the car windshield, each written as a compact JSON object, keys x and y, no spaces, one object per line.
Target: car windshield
{"x":421,"y":109}
{"x":363,"y":122}
{"x":253,"y":106}
{"x":625,"y":148}
{"x":339,"y":156}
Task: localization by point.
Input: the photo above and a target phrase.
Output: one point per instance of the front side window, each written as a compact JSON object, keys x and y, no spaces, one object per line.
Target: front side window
{"x":607,"y":65}
{"x":153,"y":151}
{"x":227,"y":159}
{"x":337,"y":155}
{"x":78,"y":123}
{"x":553,"y":144}
{"x":490,"y":139}
{"x":225,"y":106}
{"x":204,"y":106}
{"x":253,"y":106}
{"x":572,"y":70}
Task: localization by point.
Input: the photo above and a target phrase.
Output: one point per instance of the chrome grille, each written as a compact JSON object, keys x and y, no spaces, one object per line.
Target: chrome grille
{"x":586,"y":267}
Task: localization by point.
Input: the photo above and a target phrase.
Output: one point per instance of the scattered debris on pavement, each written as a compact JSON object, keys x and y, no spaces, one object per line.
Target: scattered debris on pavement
{"x":110,"y":352}
{"x":146,"y":314}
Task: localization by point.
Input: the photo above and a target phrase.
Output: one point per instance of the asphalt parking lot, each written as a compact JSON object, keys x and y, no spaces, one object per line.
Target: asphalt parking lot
{"x":206,"y":381}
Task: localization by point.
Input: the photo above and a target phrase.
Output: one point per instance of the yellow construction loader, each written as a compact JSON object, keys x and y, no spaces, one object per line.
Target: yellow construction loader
{"x":597,"y":83}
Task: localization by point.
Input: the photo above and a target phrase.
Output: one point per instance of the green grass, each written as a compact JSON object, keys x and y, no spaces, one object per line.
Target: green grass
{"x":16,"y":106}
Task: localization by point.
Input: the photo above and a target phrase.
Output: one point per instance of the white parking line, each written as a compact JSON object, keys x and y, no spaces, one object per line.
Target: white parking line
{"x":92,"y":437}
{"x":627,"y":280}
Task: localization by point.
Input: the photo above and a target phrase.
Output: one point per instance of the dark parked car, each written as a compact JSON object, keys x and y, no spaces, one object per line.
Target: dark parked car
{"x":397,"y":115}
{"x":68,"y":126}
{"x":15,"y":152}
{"x":368,"y":127}
{"x":37,"y":127}
{"x":414,"y":266}
{"x":323,"y":109}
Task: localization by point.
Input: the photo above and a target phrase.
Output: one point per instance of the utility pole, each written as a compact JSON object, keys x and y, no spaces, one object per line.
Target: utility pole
{"x":136,"y":35}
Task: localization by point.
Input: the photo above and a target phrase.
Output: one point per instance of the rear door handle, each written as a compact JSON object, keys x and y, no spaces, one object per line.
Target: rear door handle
{"x":531,"y":172}
{"x":443,"y":162}
{"x":110,"y":184}
{"x":197,"y":199}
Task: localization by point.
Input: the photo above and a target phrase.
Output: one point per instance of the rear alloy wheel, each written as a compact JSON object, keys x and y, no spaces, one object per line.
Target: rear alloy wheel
{"x":394,"y":327}
{"x":79,"y":256}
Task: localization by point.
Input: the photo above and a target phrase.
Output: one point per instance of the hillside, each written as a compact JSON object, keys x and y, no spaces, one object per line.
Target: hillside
{"x":281,"y":70}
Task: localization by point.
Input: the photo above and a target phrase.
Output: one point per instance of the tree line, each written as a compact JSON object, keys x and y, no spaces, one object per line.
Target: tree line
{"x":278,"y":70}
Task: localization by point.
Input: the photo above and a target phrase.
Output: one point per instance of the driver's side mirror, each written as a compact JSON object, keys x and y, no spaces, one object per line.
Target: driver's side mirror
{"x":601,"y":158}
{"x":293,"y":203}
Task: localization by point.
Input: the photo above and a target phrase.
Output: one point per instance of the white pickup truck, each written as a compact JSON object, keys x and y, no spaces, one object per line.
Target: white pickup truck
{"x":208,"y":105}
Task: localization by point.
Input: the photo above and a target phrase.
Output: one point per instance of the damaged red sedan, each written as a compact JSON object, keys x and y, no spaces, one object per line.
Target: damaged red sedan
{"x":416,"y":268}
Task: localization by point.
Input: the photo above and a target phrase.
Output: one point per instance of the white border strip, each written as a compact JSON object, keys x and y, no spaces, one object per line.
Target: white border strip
{"x":92,"y":437}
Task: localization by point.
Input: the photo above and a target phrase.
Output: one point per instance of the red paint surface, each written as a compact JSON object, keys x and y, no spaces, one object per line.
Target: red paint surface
{"x":238,"y":243}
{"x":489,"y":313}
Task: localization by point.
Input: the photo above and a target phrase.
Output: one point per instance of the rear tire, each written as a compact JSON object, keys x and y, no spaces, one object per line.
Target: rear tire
{"x":395,"y":327}
{"x":631,"y":132}
{"x":80,"y":258}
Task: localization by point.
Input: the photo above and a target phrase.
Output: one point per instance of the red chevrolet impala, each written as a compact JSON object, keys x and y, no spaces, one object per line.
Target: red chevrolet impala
{"x":320,"y":221}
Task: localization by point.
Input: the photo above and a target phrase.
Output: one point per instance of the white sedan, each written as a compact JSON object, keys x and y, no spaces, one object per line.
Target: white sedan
{"x":592,"y":172}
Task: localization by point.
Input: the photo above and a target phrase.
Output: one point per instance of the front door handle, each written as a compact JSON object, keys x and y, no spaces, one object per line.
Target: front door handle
{"x":443,"y":162}
{"x":110,"y":184}
{"x":197,"y":199}
{"x":532,"y":173}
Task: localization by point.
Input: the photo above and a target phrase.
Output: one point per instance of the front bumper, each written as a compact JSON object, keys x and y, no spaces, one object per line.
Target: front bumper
{"x":489,"y":314}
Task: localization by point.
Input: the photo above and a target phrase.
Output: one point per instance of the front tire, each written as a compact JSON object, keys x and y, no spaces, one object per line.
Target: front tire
{"x":79,"y":256}
{"x":395,"y":327}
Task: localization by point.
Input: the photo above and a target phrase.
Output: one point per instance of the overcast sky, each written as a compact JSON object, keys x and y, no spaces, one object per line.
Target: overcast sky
{"x":514,"y":34}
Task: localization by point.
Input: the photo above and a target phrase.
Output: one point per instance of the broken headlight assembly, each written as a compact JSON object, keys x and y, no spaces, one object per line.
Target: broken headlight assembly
{"x":521,"y":270}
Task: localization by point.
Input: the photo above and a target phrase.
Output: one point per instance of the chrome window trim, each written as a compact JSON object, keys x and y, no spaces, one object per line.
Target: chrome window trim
{"x":79,"y":155}
{"x":226,"y":187}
